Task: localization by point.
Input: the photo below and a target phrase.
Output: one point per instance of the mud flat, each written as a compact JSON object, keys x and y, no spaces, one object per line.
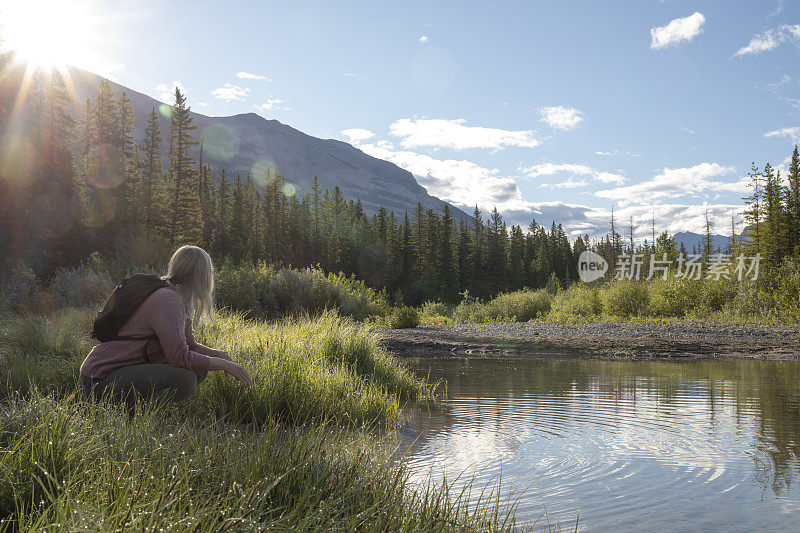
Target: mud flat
{"x":599,"y":339}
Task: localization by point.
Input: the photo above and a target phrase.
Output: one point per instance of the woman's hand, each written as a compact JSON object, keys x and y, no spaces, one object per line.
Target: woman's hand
{"x":232,"y":369}
{"x":236,"y":370}
{"x":222,"y":354}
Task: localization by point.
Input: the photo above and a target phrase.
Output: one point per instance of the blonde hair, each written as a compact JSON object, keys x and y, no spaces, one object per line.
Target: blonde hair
{"x":191,"y":272}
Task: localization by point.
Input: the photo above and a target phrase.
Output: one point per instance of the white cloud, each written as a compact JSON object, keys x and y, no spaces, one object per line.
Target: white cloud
{"x":552,"y":169}
{"x":681,"y":29}
{"x":230,"y":93}
{"x":770,"y":40}
{"x":571,"y":183}
{"x":792,"y":133}
{"x":684,"y":129}
{"x":794,"y":102}
{"x":560,"y":117}
{"x":461,"y":182}
{"x":676,"y":182}
{"x":270,"y":104}
{"x":424,"y":39}
{"x":250,"y":76}
{"x":444,"y":133}
{"x":357,"y":135}
{"x":166,"y":92}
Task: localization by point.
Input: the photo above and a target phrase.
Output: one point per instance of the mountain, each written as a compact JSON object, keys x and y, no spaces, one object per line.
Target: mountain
{"x":250,"y":143}
{"x":691,"y":239}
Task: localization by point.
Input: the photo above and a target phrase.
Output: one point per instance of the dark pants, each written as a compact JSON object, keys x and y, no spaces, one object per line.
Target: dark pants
{"x":150,"y":381}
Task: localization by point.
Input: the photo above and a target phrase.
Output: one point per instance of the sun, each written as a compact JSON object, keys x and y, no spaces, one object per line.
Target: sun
{"x":48,"y":34}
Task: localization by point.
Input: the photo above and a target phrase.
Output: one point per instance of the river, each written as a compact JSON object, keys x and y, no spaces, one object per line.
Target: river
{"x":618,"y":445}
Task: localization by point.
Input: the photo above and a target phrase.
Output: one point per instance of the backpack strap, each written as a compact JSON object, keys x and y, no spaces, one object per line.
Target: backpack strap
{"x":147,"y":340}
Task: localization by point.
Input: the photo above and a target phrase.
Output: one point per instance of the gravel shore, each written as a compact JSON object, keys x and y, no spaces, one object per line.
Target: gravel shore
{"x":598,"y":339}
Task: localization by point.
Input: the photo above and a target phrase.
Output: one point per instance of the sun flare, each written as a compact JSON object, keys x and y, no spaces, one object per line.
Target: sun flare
{"x":49,"y":33}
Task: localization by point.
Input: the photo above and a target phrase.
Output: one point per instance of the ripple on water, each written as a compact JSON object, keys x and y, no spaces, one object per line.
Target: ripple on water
{"x":655,"y":446}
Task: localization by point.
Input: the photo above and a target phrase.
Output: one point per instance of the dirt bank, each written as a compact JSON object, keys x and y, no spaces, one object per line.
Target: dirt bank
{"x":600,"y":339}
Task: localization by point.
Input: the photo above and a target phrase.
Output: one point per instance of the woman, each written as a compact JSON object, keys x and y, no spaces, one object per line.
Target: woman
{"x":122,"y":366}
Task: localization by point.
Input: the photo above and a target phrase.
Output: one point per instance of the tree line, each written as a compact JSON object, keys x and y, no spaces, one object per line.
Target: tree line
{"x":70,"y":188}
{"x":75,"y":187}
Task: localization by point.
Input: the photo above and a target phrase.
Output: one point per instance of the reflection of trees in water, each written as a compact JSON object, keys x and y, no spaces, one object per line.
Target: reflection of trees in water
{"x":765,"y":396}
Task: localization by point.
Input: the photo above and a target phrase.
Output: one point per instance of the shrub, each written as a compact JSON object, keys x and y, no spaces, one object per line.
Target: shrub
{"x":579,"y":300}
{"x":18,"y":286}
{"x":713,"y":295}
{"x":672,"y":297}
{"x":266,"y":292}
{"x":751,"y":300}
{"x":625,"y":298}
{"x":521,"y":305}
{"x":404,"y":317}
{"x":436,"y":308}
{"x":77,"y":287}
{"x":473,"y":311}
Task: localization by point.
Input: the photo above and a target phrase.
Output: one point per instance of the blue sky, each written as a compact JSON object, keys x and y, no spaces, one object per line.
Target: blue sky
{"x":548,"y":109}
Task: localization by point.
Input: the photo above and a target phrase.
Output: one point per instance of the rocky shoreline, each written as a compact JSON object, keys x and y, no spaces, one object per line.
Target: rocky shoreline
{"x":692,"y":340}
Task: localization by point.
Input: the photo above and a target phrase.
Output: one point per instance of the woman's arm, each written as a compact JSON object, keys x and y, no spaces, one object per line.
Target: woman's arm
{"x":166,"y":317}
{"x":199,"y":348}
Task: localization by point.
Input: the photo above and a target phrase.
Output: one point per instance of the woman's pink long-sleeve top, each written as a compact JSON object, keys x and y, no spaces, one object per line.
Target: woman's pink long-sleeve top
{"x":163,"y":314}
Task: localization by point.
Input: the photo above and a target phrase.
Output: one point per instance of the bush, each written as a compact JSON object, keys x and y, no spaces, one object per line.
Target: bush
{"x":579,"y":300}
{"x":672,"y":297}
{"x":404,"y":317}
{"x":521,"y":305}
{"x":436,"y":308}
{"x":751,"y":300}
{"x":77,"y":287}
{"x":715,"y":294}
{"x":18,"y":287}
{"x":473,"y":311}
{"x":266,"y":292}
{"x":625,"y":298}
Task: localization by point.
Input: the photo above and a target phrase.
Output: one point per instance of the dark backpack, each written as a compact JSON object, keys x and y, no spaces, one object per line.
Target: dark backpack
{"x":125,"y":299}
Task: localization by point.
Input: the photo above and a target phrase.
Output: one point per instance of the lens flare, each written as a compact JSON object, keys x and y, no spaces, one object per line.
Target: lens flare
{"x":105,"y":166}
{"x":166,"y":110}
{"x":264,"y":171}
{"x":52,"y":34}
{"x":220,"y":142}
{"x":100,"y":207}
{"x":289,"y":190}
{"x":16,"y":157}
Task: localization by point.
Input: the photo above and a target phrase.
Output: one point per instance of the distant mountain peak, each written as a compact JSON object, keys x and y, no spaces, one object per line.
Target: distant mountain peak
{"x":253,"y":143}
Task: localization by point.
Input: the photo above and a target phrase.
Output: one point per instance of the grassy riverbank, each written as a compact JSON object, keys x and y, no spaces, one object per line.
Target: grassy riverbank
{"x":295,"y":451}
{"x":672,"y":300}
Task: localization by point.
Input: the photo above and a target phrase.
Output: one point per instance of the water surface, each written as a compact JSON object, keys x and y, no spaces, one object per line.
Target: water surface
{"x":646,"y":446}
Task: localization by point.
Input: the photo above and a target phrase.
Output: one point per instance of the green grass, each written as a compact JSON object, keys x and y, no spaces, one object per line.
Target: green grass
{"x":657,"y":300}
{"x":66,"y":464}
{"x":297,"y":451}
{"x":329,"y":368}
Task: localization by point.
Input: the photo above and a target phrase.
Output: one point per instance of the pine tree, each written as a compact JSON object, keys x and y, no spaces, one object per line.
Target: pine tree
{"x":477,"y":247}
{"x":496,"y":249}
{"x":448,"y":273}
{"x":753,"y":214}
{"x":221,"y":244}
{"x":772,"y":229}
{"x":793,"y":203}
{"x":184,"y":205}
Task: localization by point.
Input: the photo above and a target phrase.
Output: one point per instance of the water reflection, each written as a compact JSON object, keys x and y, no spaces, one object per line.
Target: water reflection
{"x":639,"y":445}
